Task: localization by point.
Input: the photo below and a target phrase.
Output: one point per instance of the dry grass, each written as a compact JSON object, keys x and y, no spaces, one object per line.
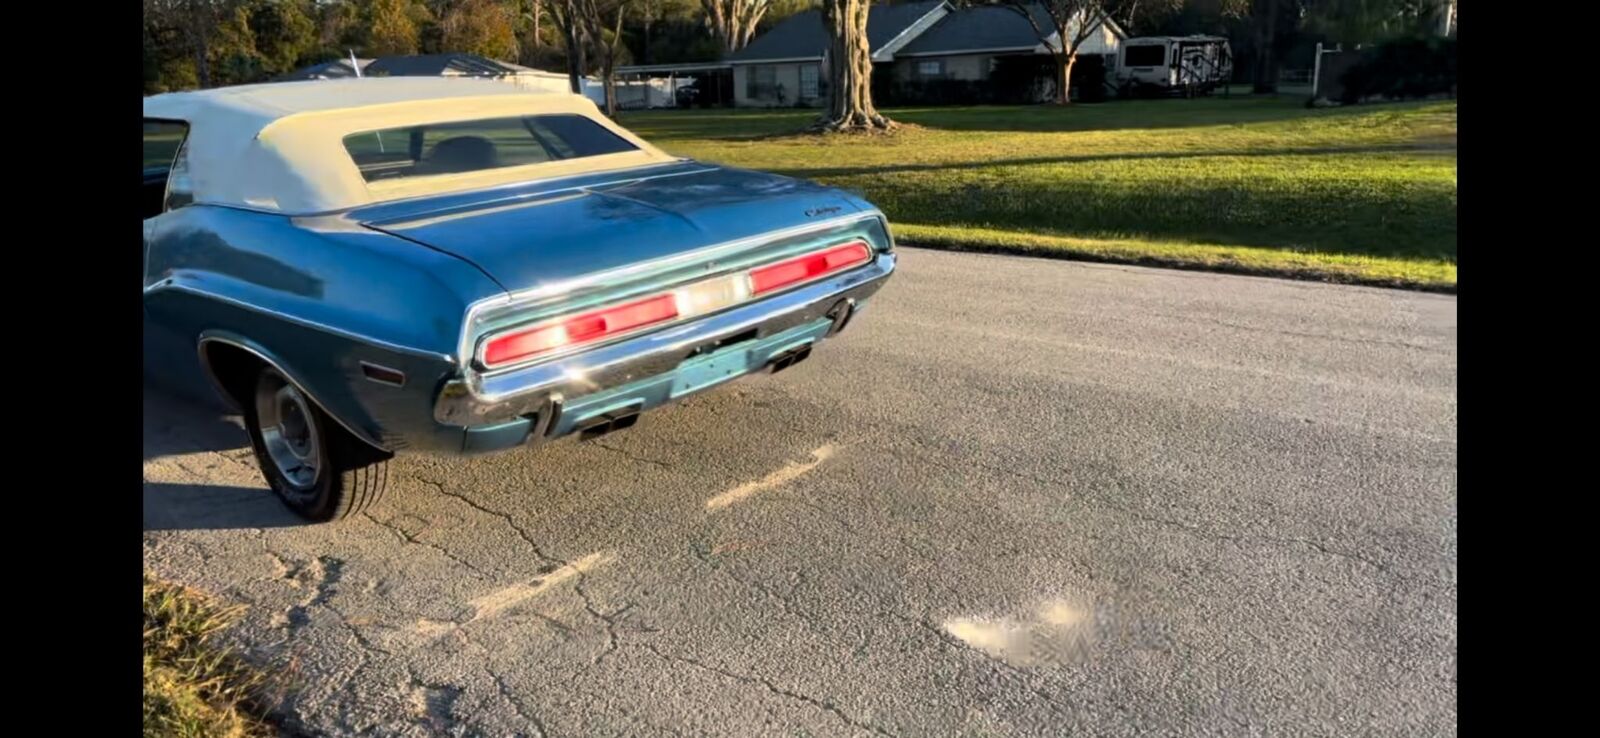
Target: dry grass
{"x":194,"y":687}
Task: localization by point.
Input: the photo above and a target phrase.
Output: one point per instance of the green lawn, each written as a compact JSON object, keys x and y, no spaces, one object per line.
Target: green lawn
{"x":1260,"y":185}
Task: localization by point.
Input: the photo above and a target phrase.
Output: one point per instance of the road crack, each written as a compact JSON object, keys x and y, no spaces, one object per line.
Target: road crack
{"x":767,"y":684}
{"x":521,"y":532}
{"x":409,"y":538}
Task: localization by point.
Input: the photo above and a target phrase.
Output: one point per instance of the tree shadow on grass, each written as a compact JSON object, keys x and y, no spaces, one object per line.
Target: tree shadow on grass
{"x":1350,"y":217}
{"x":1121,"y":115}
{"x":813,"y":173}
{"x":764,"y":125}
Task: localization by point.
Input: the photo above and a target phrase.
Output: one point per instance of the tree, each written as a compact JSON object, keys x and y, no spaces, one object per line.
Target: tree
{"x":391,"y":28}
{"x":733,"y":22}
{"x":233,"y":58}
{"x":849,"y":66}
{"x":568,"y":17}
{"x":1063,"y":26}
{"x":340,"y":28}
{"x":186,"y":27}
{"x":284,"y":33}
{"x":482,"y":27}
{"x":602,"y":24}
{"x":530,"y":22}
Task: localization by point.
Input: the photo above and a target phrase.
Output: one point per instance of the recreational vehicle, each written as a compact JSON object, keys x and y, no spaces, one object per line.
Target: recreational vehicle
{"x":1186,"y":65}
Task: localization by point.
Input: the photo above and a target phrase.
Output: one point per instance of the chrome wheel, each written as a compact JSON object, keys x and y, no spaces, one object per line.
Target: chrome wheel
{"x":289,"y":433}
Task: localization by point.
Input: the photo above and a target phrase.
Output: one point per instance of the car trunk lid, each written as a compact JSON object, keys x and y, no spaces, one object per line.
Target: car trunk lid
{"x":550,"y":233}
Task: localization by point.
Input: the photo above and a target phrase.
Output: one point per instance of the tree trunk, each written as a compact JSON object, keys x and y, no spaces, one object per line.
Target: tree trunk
{"x":1266,"y":73}
{"x":202,"y":67}
{"x":1064,"y":78}
{"x":574,"y":55}
{"x":609,"y":79}
{"x":849,"y":70}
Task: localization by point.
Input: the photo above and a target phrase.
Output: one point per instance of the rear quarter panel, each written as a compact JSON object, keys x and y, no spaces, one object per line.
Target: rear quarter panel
{"x":317,"y":296}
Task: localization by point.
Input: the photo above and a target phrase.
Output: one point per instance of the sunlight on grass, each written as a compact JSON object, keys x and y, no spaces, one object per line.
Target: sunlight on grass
{"x":193,"y":686}
{"x":1412,"y":273}
{"x":1364,"y":194}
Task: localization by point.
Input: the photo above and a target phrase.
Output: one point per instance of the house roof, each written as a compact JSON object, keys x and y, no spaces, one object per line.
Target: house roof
{"x":336,"y":69}
{"x":983,"y":28}
{"x":802,"y":35}
{"x":433,"y":65}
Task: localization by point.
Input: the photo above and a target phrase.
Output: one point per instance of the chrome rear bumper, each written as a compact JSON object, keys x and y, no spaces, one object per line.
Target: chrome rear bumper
{"x":478,"y":399}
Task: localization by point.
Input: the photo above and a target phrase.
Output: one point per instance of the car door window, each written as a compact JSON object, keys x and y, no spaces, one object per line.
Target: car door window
{"x":165,"y":145}
{"x":180,"y":188}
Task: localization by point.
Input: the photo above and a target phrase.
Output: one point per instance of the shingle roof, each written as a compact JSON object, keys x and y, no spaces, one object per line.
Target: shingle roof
{"x":982,"y":27}
{"x":336,"y":69}
{"x":802,"y":35}
{"x":432,"y":65}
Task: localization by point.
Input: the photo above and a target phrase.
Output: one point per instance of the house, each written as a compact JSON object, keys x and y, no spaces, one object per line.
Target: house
{"x":783,"y":67}
{"x":977,"y":44}
{"x":915,"y":46}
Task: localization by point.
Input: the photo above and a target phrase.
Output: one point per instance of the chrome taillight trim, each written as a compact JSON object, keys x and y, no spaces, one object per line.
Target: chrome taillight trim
{"x":744,"y":294}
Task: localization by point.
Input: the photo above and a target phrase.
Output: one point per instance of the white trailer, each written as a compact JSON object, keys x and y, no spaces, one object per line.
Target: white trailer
{"x":1186,"y":65}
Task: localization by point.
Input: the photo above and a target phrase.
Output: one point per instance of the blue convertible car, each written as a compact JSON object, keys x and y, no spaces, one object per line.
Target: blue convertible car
{"x":368,"y":267}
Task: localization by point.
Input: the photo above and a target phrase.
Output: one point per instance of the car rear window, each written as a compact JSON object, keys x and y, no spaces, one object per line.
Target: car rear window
{"x":470,"y":146}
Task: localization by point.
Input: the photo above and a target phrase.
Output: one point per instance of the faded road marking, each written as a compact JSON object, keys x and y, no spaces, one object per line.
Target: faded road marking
{"x":494,"y":603}
{"x":1060,"y":634}
{"x":783,"y":476}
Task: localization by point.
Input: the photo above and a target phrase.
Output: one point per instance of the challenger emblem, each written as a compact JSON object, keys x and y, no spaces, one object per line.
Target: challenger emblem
{"x":814,"y":212}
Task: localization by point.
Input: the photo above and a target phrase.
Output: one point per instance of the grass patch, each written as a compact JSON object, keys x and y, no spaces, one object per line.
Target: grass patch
{"x":1258,"y":184}
{"x":193,"y":686}
{"x":1347,"y":268}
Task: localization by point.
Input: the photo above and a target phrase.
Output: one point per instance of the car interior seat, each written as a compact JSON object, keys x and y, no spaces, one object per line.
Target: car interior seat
{"x":459,"y":154}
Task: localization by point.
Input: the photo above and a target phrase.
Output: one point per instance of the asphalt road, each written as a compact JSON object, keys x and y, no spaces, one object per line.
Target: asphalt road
{"x":1016,"y":497}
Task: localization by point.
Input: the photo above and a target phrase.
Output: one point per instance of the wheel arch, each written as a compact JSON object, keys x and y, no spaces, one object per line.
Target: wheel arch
{"x":222,"y":353}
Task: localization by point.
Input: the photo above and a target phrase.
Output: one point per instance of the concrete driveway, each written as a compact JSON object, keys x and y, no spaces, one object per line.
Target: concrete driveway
{"x":1017,"y":497}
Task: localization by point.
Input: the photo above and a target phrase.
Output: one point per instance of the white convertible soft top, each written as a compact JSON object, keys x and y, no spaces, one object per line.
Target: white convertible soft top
{"x":280,"y":146}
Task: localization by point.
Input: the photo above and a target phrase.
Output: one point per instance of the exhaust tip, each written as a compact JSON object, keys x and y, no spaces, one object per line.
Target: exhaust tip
{"x":840,"y":313}
{"x":788,"y":358}
{"x":606,"y":423}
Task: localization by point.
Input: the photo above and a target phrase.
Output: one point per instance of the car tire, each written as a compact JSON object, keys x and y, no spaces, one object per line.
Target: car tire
{"x":316,"y":467}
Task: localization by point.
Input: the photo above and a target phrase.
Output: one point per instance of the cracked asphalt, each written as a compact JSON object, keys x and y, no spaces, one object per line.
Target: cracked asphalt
{"x":1016,"y":497}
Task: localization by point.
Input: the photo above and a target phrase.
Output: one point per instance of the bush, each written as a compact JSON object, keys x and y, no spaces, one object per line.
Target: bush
{"x":1402,"y":69}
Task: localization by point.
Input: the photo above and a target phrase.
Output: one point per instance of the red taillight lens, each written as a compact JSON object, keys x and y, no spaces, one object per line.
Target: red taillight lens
{"x":578,"y":329}
{"x":699,"y":298}
{"x":808,"y":267}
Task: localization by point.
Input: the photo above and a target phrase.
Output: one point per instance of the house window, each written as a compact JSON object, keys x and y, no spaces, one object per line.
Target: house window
{"x":930,"y":69}
{"x":762,"y":82}
{"x":808,"y":82}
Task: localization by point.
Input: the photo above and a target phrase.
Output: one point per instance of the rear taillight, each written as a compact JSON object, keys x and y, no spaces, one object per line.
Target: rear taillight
{"x":808,"y":267}
{"x":699,"y":298}
{"x":523,"y":344}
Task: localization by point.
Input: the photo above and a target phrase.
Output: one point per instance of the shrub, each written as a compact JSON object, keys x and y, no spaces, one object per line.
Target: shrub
{"x":1402,"y":69}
